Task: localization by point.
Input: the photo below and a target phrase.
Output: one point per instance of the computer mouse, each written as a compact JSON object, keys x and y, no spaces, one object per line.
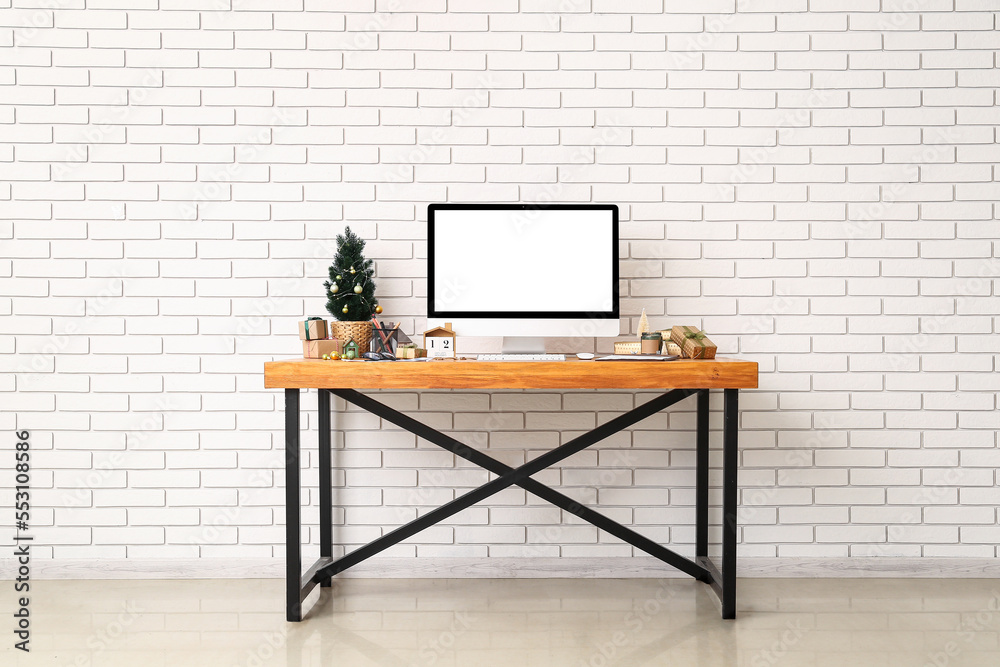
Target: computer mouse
{"x":586,"y":356}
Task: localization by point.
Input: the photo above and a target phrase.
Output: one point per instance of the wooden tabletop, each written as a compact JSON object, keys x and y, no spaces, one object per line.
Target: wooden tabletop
{"x":720,"y":373}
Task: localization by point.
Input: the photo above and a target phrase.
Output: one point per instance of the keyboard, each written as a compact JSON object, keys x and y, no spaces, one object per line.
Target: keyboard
{"x":521,"y":357}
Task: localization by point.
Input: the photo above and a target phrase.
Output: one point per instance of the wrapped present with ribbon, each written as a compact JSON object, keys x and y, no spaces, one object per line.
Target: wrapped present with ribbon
{"x":410,"y":351}
{"x":317,"y":349}
{"x":314,"y":328}
{"x":693,"y":342}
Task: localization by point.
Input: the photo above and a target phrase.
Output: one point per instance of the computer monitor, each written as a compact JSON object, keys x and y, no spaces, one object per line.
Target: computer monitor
{"x":523,"y":271}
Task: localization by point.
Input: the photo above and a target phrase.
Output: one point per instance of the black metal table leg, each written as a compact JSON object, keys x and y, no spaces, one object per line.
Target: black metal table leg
{"x":293,"y":531}
{"x":730,"y":488}
{"x":701,"y":477}
{"x":325,"y":482}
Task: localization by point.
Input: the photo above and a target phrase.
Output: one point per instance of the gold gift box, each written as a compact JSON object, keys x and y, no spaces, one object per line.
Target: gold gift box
{"x":628,"y":347}
{"x":693,"y":342}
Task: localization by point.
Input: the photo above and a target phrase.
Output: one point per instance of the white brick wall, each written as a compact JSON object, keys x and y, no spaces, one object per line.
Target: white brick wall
{"x":811,"y":181}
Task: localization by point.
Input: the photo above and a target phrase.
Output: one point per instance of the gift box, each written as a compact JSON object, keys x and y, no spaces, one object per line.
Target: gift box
{"x":314,"y":328}
{"x":669,"y":346}
{"x":628,"y":347}
{"x":693,"y":342}
{"x":315,"y":349}
{"x":410,"y":351}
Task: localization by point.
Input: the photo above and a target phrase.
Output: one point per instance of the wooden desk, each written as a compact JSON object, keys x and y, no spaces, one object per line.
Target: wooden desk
{"x":678,"y":379}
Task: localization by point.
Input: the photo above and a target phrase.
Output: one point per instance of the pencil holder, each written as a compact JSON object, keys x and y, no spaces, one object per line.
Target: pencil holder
{"x":384,"y":339}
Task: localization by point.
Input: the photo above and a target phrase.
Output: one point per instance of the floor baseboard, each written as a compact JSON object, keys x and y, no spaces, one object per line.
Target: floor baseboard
{"x":533,"y":568}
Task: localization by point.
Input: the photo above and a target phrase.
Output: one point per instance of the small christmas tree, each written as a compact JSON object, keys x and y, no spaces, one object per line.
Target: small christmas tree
{"x":351,"y":287}
{"x":643,"y":323}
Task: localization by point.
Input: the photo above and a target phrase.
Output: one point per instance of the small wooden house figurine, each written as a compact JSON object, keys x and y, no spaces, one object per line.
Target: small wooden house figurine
{"x":440,"y":341}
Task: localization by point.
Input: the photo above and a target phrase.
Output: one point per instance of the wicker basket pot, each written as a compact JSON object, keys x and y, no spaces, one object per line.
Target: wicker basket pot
{"x":361,"y":332}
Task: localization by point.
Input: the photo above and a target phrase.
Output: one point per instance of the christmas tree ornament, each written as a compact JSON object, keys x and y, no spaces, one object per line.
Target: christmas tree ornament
{"x":358,"y":289}
{"x":378,"y":310}
{"x":344,"y":310}
{"x":339,"y":277}
{"x":334,"y":288}
{"x":352,"y":270}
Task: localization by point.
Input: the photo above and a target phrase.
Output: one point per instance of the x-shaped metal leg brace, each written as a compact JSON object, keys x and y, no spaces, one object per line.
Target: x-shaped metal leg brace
{"x":519,"y":477}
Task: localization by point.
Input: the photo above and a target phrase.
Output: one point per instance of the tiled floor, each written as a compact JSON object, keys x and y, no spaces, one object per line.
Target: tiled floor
{"x":496,"y":622}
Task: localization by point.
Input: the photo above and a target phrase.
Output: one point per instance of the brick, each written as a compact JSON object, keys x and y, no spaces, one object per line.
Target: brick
{"x":490,"y":534}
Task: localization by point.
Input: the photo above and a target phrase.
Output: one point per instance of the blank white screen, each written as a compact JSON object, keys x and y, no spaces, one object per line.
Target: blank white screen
{"x":523,"y":260}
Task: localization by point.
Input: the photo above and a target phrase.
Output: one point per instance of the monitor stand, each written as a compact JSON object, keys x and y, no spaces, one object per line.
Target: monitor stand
{"x":523,"y":345}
